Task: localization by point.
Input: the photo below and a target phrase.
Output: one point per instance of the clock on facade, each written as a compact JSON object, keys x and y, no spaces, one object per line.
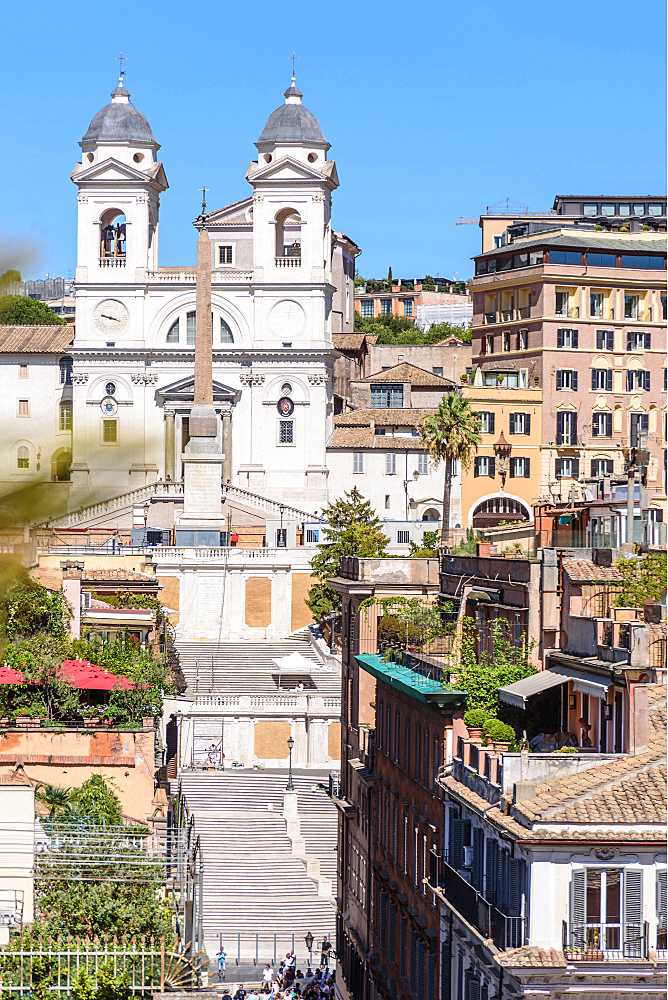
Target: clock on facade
{"x":285,"y":406}
{"x":110,"y":316}
{"x":109,"y":406}
{"x":286,"y":318}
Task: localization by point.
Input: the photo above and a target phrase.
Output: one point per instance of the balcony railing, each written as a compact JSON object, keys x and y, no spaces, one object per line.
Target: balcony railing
{"x":490,"y":317}
{"x":524,"y":312}
{"x":288,"y":262}
{"x":506,"y":932}
{"x":507,"y":315}
{"x":592,"y":942}
{"x":112,"y":261}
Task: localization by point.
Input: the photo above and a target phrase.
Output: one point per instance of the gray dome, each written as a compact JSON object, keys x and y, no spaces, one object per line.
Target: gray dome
{"x":119,"y":122}
{"x":292,"y":123}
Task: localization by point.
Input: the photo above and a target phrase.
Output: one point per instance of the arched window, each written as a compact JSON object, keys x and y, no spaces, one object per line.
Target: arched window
{"x":22,"y":457}
{"x":65,"y":415}
{"x":65,"y":365}
{"x":110,"y":389}
{"x":288,"y":235}
{"x":173,"y":335}
{"x":491,"y":512}
{"x":226,"y":336}
{"x":112,"y":239}
{"x":430,"y":515}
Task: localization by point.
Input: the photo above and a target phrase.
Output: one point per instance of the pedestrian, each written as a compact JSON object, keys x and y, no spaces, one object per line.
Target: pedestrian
{"x":267,"y":978}
{"x":241,"y":993}
{"x":325,"y":949}
{"x":221,"y":963}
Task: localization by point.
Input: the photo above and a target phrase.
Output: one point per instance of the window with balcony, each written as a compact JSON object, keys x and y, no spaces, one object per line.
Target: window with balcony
{"x":387,"y":395}
{"x":484,"y":465}
{"x":605,"y":340}
{"x":567,"y":379}
{"x":408,"y":307}
{"x":637,"y":380}
{"x":631,"y":307}
{"x":486,"y":422}
{"x":567,"y":468}
{"x":601,"y":379}
{"x":606,"y":912}
{"x":638,"y":341}
{"x":519,"y":468}
{"x":567,"y":428}
{"x":385,"y":307}
{"x":601,"y":425}
{"x":601,"y":467}
{"x":567,"y":338}
{"x":602,"y":259}
{"x":519,"y":423}
{"x":367,"y":308}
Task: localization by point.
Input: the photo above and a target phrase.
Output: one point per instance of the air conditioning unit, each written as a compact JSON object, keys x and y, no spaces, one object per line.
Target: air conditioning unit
{"x":85,"y":600}
{"x":468,"y":857}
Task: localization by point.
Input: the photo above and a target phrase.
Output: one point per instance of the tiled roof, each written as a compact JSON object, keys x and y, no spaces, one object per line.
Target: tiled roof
{"x":386,"y":417}
{"x":585,"y":571}
{"x":364,"y":437}
{"x":531,"y":957}
{"x":408,"y":373}
{"x":585,"y":239}
{"x":628,"y":792}
{"x":348,"y":341}
{"x":35,"y":339}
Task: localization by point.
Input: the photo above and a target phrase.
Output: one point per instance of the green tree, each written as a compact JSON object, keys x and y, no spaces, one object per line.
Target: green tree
{"x":482,"y":676}
{"x":97,"y":801}
{"x":353,"y":530}
{"x":451,"y":434}
{"x":19,"y":310}
{"x":58,"y":800}
{"x":150,"y":677}
{"x":29,"y":608}
{"x":389,"y":277}
{"x":39,"y":660}
{"x":643,"y":579}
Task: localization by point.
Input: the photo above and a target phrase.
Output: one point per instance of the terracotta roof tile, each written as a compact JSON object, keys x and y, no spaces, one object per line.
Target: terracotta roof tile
{"x":585,"y":571}
{"x":408,"y":373}
{"x":348,"y":341}
{"x":35,"y":339}
{"x":386,"y":416}
{"x":351,"y":437}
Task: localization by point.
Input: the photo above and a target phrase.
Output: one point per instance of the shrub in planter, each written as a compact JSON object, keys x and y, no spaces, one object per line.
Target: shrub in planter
{"x":498,"y":731}
{"x":475,"y":718}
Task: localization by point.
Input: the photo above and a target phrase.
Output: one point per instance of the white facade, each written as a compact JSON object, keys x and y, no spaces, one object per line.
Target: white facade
{"x":271,"y":306}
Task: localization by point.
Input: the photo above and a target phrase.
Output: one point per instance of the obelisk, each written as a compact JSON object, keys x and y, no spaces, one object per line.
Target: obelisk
{"x":202,"y":518}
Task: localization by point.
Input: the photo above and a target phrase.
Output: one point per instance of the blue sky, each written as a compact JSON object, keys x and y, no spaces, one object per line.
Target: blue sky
{"x":433,"y":112}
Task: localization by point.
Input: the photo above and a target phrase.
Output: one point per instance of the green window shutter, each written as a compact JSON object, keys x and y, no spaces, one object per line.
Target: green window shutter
{"x":578,"y":907}
{"x":633,"y":913}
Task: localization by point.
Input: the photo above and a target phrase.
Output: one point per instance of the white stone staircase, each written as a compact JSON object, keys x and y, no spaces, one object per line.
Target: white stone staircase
{"x":253,"y":882}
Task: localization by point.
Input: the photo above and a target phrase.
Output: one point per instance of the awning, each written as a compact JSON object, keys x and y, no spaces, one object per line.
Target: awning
{"x":517,"y":694}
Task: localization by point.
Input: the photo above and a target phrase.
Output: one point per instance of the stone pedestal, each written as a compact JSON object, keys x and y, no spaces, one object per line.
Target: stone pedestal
{"x":202,"y":518}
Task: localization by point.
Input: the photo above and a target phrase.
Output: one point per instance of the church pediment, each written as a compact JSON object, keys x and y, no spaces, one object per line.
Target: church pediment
{"x":286,"y":168}
{"x":184,"y":390}
{"x":236,"y":212}
{"x":113,"y":170}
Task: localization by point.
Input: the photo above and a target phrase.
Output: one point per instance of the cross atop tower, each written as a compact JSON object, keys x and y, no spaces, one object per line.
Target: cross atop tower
{"x":121,"y":72}
{"x":204,"y":190}
{"x":294,"y":58}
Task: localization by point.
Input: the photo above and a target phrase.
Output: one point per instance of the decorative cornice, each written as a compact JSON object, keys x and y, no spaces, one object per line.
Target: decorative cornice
{"x":144,"y":378}
{"x":250,"y":378}
{"x":317,"y":379}
{"x":80,"y":378}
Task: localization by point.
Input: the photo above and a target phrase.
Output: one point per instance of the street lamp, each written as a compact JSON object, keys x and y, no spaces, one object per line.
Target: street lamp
{"x":309,"y":945}
{"x":145,"y":522}
{"x":416,"y":476}
{"x":290,"y":785}
{"x":281,"y":540}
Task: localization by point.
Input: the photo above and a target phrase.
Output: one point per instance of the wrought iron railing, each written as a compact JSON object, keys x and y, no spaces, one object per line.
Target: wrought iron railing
{"x":605,"y":942}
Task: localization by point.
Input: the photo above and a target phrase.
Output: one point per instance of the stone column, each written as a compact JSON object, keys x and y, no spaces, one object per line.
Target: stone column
{"x":227,"y":444}
{"x":170,"y":448}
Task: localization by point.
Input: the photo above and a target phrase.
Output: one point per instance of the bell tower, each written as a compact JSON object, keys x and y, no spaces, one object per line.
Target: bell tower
{"x":120,"y":181}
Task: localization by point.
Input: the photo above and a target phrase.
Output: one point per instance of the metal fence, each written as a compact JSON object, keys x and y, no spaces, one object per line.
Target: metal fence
{"x":258,"y":949}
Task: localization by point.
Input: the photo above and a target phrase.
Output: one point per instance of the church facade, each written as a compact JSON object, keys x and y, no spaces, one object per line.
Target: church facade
{"x":282,"y":283}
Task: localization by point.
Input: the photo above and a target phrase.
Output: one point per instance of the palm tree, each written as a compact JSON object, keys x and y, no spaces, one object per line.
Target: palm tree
{"x":451,"y":434}
{"x":57,"y":799}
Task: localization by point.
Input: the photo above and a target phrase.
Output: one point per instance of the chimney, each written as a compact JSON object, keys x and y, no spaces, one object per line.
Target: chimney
{"x":638,"y":717}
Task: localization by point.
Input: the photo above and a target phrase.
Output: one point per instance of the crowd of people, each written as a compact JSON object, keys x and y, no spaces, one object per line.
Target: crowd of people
{"x":287,"y":982}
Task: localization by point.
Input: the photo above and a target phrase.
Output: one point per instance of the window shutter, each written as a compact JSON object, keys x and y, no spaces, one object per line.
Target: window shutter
{"x":527,"y":464}
{"x":575,"y":468}
{"x":560,"y":380}
{"x":476,"y":467}
{"x":661,"y":898}
{"x":527,"y":423}
{"x":492,"y":468}
{"x":412,"y":963}
{"x":420,"y":969}
{"x":594,"y":378}
{"x":491,"y":423}
{"x":478,"y":859}
{"x":608,"y":380}
{"x":646,"y":378}
{"x":461,"y":833}
{"x":392,"y":936}
{"x":511,"y":426}
{"x":578,"y":907}
{"x":648,"y":341}
{"x":633,"y":912}
{"x":608,"y":424}
{"x":560,"y":338}
{"x":629,"y":341}
{"x":512,"y":468}
{"x":491,"y":862}
{"x":574,"y":380}
{"x":402,"y":948}
{"x":629,"y":381}
{"x":431,"y":976}
{"x":574,"y":338}
{"x":502,"y":882}
{"x":516,"y":875}
{"x":573,"y":419}
{"x":560,"y":427}
{"x":558,"y":468}
{"x":594,"y":464}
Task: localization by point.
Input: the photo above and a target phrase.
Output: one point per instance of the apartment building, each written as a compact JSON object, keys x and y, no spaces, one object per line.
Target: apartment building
{"x":581,"y":314}
{"x":407,"y":297}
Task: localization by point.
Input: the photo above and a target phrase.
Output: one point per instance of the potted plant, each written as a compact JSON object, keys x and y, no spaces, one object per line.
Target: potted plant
{"x":536,"y":380}
{"x":474,"y":720}
{"x":90,"y":717}
{"x":502,"y":735}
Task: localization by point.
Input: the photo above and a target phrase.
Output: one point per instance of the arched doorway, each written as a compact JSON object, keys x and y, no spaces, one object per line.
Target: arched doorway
{"x":492,"y":511}
{"x":60,"y":466}
{"x":431,"y":514}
